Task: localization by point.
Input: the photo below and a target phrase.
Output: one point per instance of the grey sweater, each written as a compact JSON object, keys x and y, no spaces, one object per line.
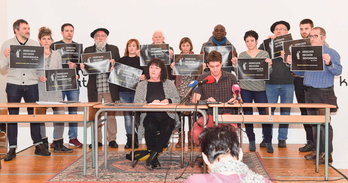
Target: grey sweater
{"x":18,"y":76}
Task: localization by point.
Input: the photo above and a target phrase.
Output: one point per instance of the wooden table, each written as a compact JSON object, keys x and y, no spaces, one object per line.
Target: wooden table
{"x":140,"y":108}
{"x":322,"y":118}
{"x":39,"y":116}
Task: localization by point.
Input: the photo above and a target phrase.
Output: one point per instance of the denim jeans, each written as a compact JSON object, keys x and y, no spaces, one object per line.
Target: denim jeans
{"x":127,"y":97}
{"x":286,"y":94}
{"x":257,"y":97}
{"x":15,"y":93}
{"x":72,"y":95}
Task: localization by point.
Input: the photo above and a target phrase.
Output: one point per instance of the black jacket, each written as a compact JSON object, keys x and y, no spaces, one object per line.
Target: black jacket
{"x":92,"y":79}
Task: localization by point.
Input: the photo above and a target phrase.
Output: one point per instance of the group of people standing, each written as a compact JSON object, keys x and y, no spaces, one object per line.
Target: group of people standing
{"x":157,"y":85}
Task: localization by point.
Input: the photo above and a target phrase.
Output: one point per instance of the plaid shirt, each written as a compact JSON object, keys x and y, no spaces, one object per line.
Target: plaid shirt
{"x":102,"y":79}
{"x":221,"y":91}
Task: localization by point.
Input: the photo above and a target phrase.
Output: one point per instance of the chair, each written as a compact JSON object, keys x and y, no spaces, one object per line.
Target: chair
{"x":3,"y":145}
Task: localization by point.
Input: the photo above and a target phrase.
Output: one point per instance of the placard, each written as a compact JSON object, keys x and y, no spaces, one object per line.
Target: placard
{"x":288,"y":44}
{"x":226,"y":53}
{"x":188,"y":64}
{"x":26,"y":57}
{"x":124,"y":75}
{"x":307,"y":58}
{"x":96,"y":63}
{"x":275,"y":46}
{"x":60,"y":79}
{"x":69,"y":51}
{"x":151,"y":51}
{"x":252,"y":69}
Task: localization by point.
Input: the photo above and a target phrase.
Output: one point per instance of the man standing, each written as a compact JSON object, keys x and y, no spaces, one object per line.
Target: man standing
{"x":281,"y":83}
{"x":306,"y":26}
{"x":320,"y":87}
{"x":218,"y":38}
{"x":67,"y":31}
{"x":98,"y":87}
{"x":21,"y":83}
{"x":219,"y":91}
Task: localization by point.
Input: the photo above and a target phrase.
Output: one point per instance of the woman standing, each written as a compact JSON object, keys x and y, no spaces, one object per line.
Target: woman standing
{"x":255,"y":90}
{"x":52,"y":61}
{"x":130,"y":58}
{"x":157,"y":89}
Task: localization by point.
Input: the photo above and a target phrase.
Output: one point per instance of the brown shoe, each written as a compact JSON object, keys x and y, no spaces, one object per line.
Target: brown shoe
{"x":311,"y":155}
{"x":322,"y":158}
{"x":178,"y":145}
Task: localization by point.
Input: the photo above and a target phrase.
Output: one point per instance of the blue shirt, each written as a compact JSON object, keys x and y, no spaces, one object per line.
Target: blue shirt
{"x":323,"y":79}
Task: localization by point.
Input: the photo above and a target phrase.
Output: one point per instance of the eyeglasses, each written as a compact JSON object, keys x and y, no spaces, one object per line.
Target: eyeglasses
{"x":314,"y":36}
{"x":280,"y":29}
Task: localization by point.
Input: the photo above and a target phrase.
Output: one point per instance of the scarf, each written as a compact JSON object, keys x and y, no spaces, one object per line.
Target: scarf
{"x":219,"y":43}
{"x":240,"y":167}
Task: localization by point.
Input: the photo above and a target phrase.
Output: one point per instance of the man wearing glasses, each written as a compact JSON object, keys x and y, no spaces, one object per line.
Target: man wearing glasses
{"x":320,"y":87}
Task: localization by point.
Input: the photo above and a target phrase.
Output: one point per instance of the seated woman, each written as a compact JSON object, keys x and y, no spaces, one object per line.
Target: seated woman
{"x":222,"y":154}
{"x":157,"y":89}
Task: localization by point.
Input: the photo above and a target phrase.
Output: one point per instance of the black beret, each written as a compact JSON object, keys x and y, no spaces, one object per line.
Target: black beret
{"x":280,"y":22}
{"x":99,"y":29}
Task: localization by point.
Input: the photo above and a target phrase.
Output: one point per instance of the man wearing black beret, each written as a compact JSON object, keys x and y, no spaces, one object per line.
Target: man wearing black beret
{"x":98,"y":87}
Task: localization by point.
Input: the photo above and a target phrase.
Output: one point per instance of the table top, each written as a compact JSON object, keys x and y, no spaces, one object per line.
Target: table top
{"x":299,"y":105}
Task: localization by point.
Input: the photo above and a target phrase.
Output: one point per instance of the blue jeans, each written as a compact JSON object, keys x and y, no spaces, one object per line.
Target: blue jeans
{"x":286,"y":94}
{"x":72,"y":95}
{"x":257,"y":97}
{"x":15,"y":93}
{"x":127,"y":97}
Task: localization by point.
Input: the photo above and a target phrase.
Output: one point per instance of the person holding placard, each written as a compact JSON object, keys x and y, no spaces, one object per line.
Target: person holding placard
{"x":67,"y":31}
{"x":255,"y":90}
{"x":319,"y":88}
{"x":130,"y":58}
{"x":21,"y":83}
{"x":53,"y":60}
{"x":281,"y":83}
{"x":98,"y":87}
{"x":157,"y":89}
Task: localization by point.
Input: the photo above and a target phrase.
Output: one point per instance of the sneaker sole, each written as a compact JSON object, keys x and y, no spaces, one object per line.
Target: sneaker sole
{"x":74,"y":145}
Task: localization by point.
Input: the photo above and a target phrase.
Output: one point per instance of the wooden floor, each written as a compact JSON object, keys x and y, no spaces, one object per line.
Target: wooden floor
{"x":285,"y":165}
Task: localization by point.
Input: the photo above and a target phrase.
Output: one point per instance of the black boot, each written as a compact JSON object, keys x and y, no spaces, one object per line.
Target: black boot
{"x":129,"y":141}
{"x":45,"y":143}
{"x":10,"y":154}
{"x":60,"y":148}
{"x":40,"y":150}
{"x":152,"y":161}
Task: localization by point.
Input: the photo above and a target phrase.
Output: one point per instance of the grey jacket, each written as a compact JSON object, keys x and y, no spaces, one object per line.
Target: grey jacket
{"x":170,"y":92}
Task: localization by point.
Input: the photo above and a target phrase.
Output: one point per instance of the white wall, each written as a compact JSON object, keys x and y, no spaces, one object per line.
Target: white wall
{"x":195,"y":19}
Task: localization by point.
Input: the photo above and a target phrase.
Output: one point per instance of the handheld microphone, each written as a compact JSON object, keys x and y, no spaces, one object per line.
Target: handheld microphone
{"x":209,"y":79}
{"x":236,"y":91}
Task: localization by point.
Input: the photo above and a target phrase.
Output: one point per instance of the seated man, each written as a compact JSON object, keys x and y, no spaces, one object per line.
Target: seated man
{"x":222,"y":154}
{"x":219,"y":91}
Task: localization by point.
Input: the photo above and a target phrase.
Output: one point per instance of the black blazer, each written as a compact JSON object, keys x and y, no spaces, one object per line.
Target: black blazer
{"x":92,"y":79}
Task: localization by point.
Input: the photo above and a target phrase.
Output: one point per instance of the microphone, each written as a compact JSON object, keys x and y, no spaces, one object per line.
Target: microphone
{"x":236,"y":90}
{"x":209,"y":79}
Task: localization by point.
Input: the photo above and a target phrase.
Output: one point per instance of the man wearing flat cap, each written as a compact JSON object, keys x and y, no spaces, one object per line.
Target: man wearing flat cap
{"x":280,"y":85}
{"x":98,"y":87}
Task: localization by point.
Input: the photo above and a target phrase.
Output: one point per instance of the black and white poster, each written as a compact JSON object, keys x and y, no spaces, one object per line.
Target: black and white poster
{"x":288,"y":44}
{"x":150,"y":51}
{"x":26,"y":57}
{"x":61,"y":79}
{"x":188,"y":64}
{"x":226,"y":53}
{"x":307,"y":58}
{"x":252,"y":69}
{"x":275,"y":46}
{"x":124,"y":75}
{"x":69,"y":51}
{"x":96,"y":63}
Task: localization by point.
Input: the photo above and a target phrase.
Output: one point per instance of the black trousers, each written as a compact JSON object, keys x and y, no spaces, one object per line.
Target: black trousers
{"x":155,"y":122}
